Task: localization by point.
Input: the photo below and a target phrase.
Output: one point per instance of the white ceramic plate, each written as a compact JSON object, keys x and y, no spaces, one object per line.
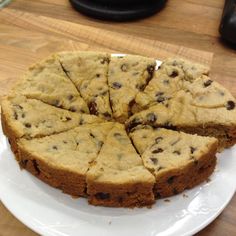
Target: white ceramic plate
{"x":51,"y":213}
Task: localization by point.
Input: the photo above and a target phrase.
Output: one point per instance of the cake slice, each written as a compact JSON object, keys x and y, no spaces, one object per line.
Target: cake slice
{"x":30,"y":118}
{"x":88,"y":72}
{"x":178,"y":160}
{"x":62,"y":160}
{"x":127,"y":76}
{"x":117,"y":177}
{"x":167,"y":80}
{"x":48,"y":82}
{"x":208,"y":111}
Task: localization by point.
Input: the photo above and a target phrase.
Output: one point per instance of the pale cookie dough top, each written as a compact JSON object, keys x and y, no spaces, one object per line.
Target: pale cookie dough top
{"x":33,"y":118}
{"x":88,"y":71}
{"x":202,"y":103}
{"x":164,"y":150}
{"x":118,"y":162}
{"x":47,"y":82}
{"x":80,"y":146}
{"x":127,"y":76}
{"x":167,"y":80}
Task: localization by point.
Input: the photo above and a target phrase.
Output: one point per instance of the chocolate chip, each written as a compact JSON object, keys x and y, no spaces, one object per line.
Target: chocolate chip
{"x":68,"y":118}
{"x":192,"y":149}
{"x":23,"y":115}
{"x":27,"y":125}
{"x":102,"y":196}
{"x":15,"y":115}
{"x":158,"y":139}
{"x":160,"y":168}
{"x":93,"y":108}
{"x":207,"y":83}
{"x":158,"y":150}
{"x":81,"y":122}
{"x":160,"y":99}
{"x":73,"y":109}
{"x":70,"y":97}
{"x":171,"y":180}
{"x":116,"y":85}
{"x":174,"y":74}
{"x":133,"y":123}
{"x":107,"y":115}
{"x":54,"y":147}
{"x":124,"y":67}
{"x":158,"y":195}
{"x":105,"y":60}
{"x":64,"y":141}
{"x":100,"y":143}
{"x":98,"y":75}
{"x":140,"y":87}
{"x":230,"y":105}
{"x":177,"y":152}
{"x":154,"y":160}
{"x":151,"y":117}
{"x":91,"y":135}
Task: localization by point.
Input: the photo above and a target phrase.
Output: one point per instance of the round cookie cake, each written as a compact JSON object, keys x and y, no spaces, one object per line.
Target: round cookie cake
{"x":117,"y":129}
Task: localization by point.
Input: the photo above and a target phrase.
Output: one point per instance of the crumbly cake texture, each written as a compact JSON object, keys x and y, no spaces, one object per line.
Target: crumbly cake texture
{"x":171,"y":77}
{"x":117,"y":177}
{"x":30,"y":118}
{"x":48,"y":82}
{"x":178,"y":160}
{"x":88,"y":71}
{"x":45,"y":157}
{"x":204,"y":107}
{"x":113,"y":164}
{"x":126,"y":77}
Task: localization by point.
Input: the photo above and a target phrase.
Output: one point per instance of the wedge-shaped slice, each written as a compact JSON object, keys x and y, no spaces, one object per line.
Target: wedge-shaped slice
{"x":48,"y":82}
{"x":127,"y":76}
{"x":88,"y":71}
{"x":29,"y":118}
{"x":178,"y":160}
{"x":62,"y":160}
{"x":167,"y":80}
{"x":203,"y":113}
{"x":118,"y":177}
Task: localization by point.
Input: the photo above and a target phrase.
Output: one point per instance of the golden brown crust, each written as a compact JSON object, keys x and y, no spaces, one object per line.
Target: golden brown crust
{"x":176,"y":181}
{"x":129,"y":195}
{"x":69,"y":182}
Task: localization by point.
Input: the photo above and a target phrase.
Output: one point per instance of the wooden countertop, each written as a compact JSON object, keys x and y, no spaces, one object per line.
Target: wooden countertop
{"x":30,"y":30}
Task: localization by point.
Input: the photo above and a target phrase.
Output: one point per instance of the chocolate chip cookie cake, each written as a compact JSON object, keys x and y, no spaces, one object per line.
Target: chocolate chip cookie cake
{"x":116,"y":129}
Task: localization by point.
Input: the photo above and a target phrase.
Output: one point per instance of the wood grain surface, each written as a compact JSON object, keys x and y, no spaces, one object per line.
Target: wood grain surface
{"x":31,"y":30}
